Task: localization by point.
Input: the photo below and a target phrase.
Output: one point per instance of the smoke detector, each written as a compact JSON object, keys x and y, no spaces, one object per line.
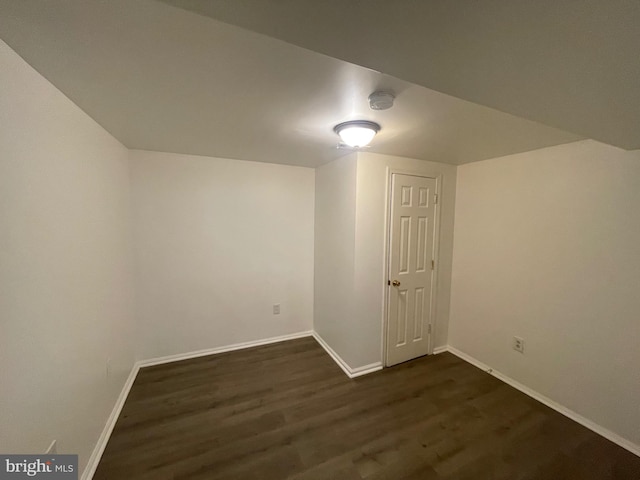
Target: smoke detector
{"x":381,"y":100}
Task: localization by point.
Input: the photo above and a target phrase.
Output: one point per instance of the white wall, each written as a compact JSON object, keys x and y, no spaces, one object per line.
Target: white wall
{"x":218,"y":242}
{"x":351,"y":234}
{"x":65,"y":277}
{"x":547,"y":247}
{"x":335,"y":211}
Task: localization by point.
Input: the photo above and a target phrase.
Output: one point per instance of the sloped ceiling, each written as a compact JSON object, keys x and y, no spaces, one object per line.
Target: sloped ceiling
{"x":163,"y":78}
{"x":571,"y":64}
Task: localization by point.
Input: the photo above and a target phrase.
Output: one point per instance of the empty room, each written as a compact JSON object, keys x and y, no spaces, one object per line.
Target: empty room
{"x":303,"y":240}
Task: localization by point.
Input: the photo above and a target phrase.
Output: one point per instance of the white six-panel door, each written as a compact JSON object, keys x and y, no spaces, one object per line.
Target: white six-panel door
{"x":411,"y":267}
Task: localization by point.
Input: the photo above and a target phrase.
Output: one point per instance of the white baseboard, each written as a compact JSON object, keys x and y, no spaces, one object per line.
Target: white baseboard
{"x":227,"y":348}
{"x":53,"y":448}
{"x":606,"y":433}
{"x":350,"y":372}
{"x":98,"y":450}
{"x":440,"y":349}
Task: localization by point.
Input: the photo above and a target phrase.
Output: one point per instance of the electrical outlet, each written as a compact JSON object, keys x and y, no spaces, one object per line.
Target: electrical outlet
{"x":53,"y":448}
{"x":518,"y":344}
{"x":276,"y":309}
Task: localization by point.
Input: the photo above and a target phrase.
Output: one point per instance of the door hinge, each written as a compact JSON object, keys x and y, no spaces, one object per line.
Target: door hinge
{"x":429,"y":328}
{"x":435,"y":199}
{"x":433,"y":264}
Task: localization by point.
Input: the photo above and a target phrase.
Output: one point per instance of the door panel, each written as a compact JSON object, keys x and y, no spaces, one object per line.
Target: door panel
{"x":411,"y":256}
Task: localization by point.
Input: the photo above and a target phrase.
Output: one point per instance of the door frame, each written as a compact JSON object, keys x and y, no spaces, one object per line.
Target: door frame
{"x":387,"y":256}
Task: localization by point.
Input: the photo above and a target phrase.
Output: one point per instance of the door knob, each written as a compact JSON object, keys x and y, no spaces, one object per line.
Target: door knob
{"x":395,"y":283}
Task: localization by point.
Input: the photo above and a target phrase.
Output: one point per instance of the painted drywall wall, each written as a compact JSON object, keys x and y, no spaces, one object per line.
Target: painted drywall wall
{"x":335,"y":211}
{"x":65,"y":268}
{"x":370,"y":247}
{"x":218,"y":243}
{"x":547,"y":247}
{"x":351,"y":235}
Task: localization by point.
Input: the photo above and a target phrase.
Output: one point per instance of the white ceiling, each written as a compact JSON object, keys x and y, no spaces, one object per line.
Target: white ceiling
{"x":571,"y":64}
{"x":163,"y":78}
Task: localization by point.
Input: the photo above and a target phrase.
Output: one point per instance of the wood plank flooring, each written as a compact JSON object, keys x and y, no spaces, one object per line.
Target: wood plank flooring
{"x":286,"y":411}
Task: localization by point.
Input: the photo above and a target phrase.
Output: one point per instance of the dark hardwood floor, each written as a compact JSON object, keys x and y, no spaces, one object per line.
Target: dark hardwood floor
{"x":286,"y":411}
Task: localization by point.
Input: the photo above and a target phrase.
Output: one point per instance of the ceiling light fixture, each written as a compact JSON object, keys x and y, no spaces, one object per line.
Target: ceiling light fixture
{"x":357,"y":133}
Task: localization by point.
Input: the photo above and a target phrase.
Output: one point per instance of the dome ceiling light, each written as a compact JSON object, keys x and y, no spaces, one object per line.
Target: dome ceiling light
{"x":357,"y":133}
